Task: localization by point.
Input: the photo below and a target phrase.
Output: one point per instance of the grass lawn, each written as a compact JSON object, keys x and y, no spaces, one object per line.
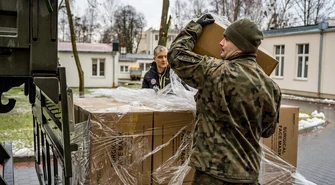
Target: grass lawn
{"x":17,"y":125}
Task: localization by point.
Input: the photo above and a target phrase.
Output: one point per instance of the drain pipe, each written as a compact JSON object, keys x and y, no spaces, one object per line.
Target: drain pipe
{"x":322,"y":26}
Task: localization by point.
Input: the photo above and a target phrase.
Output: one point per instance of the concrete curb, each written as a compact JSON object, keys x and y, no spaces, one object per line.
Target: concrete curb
{"x":309,"y":129}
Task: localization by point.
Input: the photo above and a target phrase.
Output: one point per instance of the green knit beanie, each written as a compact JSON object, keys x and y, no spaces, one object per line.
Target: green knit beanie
{"x":245,"y":35}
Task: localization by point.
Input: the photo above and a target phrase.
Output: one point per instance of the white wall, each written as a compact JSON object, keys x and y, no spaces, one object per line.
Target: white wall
{"x":289,"y":79}
{"x":125,"y":75}
{"x":148,"y":41}
{"x":328,"y":64}
{"x":308,"y":87}
{"x":66,"y":59}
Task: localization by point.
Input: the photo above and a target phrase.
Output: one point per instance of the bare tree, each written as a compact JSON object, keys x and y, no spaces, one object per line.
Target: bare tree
{"x":304,"y":10}
{"x":128,"y":24}
{"x":108,"y":11}
{"x":314,"y":11}
{"x":216,"y":6}
{"x":74,"y":49}
{"x":92,"y":15}
{"x":179,"y":14}
{"x":106,"y":36}
{"x":165,"y":23}
{"x":278,"y":13}
{"x":110,"y":7}
{"x":198,"y":8}
{"x":231,"y":9}
{"x":248,"y":8}
{"x":237,"y":5}
{"x":62,"y":25}
{"x":236,"y":9}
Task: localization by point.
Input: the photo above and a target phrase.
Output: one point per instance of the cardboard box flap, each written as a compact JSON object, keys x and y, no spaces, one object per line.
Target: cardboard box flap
{"x":208,"y":44}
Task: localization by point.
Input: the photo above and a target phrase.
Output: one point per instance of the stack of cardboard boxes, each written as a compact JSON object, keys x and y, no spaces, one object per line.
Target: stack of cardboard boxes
{"x":137,"y":146}
{"x":132,"y":145}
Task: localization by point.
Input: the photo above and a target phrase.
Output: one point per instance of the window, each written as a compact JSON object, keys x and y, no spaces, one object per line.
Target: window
{"x":279,"y":55}
{"x":145,"y":66}
{"x":156,"y":37}
{"x":124,"y":69}
{"x":98,"y":67}
{"x":302,"y":63}
{"x":123,"y":50}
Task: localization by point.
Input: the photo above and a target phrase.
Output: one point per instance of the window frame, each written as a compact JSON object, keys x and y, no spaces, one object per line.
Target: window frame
{"x":98,"y":71}
{"x":124,"y":69}
{"x":281,"y":61}
{"x":303,"y":56}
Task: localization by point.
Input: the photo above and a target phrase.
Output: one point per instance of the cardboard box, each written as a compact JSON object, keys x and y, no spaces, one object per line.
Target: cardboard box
{"x":211,"y":36}
{"x":284,"y":142}
{"x":284,"y":149}
{"x":118,"y":142}
{"x":174,"y":129}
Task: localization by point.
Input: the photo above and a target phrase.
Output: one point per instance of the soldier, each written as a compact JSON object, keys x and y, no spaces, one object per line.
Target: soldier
{"x":236,"y":102}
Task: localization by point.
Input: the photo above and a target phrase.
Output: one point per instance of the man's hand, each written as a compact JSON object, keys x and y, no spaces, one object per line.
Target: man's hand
{"x":205,"y":20}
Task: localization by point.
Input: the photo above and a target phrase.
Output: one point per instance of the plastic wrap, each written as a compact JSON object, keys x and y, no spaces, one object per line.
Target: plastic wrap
{"x":142,"y":136}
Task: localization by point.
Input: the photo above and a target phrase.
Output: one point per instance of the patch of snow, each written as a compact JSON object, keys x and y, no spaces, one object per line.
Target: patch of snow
{"x":303,"y":115}
{"x":23,"y":152}
{"x":310,"y":123}
{"x":329,"y":101}
{"x":22,"y":149}
{"x":316,"y":114}
{"x":317,"y":100}
{"x":317,"y":120}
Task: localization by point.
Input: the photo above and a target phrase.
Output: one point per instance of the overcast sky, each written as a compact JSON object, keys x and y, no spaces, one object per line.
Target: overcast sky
{"x":151,"y":9}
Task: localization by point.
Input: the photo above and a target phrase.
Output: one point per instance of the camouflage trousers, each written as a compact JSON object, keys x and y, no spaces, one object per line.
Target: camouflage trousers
{"x":201,"y":178}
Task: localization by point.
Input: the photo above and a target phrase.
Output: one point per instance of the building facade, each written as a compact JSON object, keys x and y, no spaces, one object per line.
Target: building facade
{"x":306,"y":64}
{"x":101,"y":66}
{"x":97,"y":61}
{"x":127,"y":61}
{"x":150,"y":39}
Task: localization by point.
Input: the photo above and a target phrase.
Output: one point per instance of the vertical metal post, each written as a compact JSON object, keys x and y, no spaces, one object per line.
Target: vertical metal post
{"x":65,"y":126}
{"x":113,"y":69}
{"x":322,"y":26}
{"x":114,"y":52}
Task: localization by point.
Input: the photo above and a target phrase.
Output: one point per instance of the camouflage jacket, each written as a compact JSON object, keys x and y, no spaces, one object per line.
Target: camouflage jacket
{"x":236,"y":105}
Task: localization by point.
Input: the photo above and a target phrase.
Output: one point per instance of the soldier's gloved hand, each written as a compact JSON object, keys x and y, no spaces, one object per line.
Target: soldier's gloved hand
{"x":205,"y":20}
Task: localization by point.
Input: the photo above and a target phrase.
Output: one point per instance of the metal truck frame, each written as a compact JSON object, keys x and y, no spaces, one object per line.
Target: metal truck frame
{"x":28,"y":56}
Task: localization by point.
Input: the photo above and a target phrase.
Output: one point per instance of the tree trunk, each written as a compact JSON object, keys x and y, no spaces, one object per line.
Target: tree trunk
{"x":164,"y":28}
{"x":75,"y":52}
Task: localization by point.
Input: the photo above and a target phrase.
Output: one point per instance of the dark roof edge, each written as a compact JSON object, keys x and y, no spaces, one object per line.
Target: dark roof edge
{"x":297,"y":30}
{"x":86,"y":51}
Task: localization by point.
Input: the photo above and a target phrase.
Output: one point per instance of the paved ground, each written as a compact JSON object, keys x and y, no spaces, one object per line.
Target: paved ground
{"x":316,"y":161}
{"x":24,"y":174}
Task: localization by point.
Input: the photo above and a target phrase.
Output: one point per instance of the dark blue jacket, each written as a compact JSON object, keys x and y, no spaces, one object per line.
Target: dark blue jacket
{"x":152,"y":79}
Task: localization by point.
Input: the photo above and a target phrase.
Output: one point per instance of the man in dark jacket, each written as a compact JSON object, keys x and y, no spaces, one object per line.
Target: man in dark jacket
{"x":236,"y":103}
{"x":159,"y":74}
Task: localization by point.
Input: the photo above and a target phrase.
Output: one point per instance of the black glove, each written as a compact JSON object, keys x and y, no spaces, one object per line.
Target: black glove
{"x":205,"y":19}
